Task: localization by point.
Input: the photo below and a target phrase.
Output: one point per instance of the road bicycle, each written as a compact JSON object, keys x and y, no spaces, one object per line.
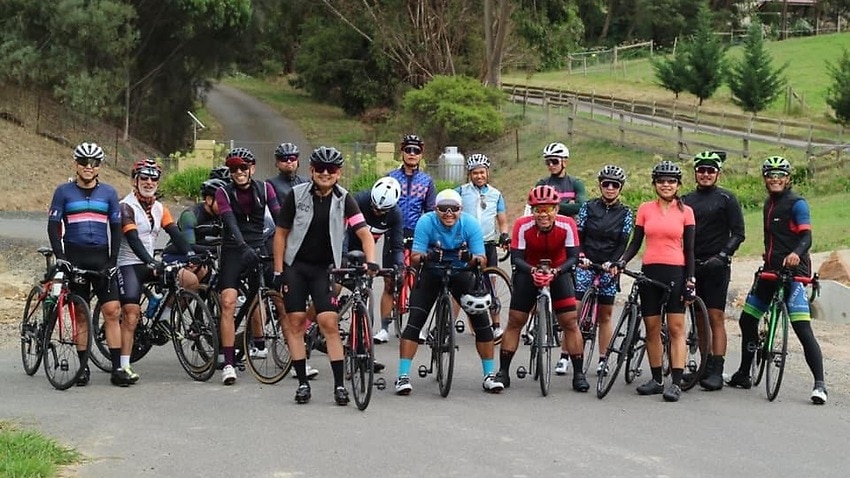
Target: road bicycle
{"x":50,"y":331}
{"x":587,"y":316}
{"x":401,"y":289}
{"x":542,"y":334}
{"x":357,"y":338}
{"x":772,"y":346}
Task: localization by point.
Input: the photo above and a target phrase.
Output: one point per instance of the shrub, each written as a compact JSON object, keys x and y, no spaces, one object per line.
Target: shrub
{"x":184,"y":184}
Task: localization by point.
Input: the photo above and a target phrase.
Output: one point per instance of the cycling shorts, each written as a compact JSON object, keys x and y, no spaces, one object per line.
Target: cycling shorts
{"x":232,"y":267}
{"x":301,"y":280}
{"x":795,"y":297}
{"x":524,"y":293}
{"x":131,"y":279}
{"x":713,"y":286}
{"x":650,"y":296}
{"x":91,"y":259}
{"x":608,"y":285}
{"x":424,"y":295}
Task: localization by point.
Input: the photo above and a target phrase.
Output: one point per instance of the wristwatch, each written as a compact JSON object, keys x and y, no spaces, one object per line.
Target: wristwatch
{"x":692,"y":279}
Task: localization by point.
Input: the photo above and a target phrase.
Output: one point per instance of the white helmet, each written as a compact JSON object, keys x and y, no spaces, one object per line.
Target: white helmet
{"x":385,"y":193}
{"x":476,"y":161}
{"x":557,"y":150}
{"x":475,"y":302}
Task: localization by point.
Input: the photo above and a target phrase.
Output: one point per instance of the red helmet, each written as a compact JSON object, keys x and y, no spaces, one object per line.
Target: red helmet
{"x":540,"y":195}
{"x":147,"y":166}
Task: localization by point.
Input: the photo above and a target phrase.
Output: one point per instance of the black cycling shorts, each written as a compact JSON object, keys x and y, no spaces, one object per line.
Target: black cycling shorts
{"x":91,"y":259}
{"x":524,"y":293}
{"x":131,"y":280}
{"x":301,"y":280}
{"x":713,"y":286}
{"x":650,"y":296}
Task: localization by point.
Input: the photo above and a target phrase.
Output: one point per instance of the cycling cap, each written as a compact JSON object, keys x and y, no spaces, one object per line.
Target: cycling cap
{"x":448,"y":197}
{"x":326,"y":155}
{"x":557,"y":150}
{"x":385,"y":193}
{"x":612,"y":173}
{"x":88,"y":151}
{"x":476,"y":161}
{"x":708,"y":158}
{"x":667,"y":169}
{"x":542,"y":195}
{"x":775,"y":163}
{"x":286,"y":149}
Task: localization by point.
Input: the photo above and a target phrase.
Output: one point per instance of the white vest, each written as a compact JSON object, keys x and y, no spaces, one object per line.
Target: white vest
{"x":147,"y":234}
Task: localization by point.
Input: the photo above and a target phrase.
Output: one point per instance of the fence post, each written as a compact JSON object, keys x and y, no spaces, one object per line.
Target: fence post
{"x":524,"y":101}
{"x":622,"y":130}
{"x":611,"y":117}
{"x":571,"y":120}
{"x":780,"y":131}
{"x":809,"y":143}
{"x":746,"y":152}
{"x":632,"y":117}
{"x":516,"y":138}
{"x":680,"y":138}
{"x":592,"y":102}
{"x":546,"y":108}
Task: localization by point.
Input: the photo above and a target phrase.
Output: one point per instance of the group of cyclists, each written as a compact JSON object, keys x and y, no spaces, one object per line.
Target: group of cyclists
{"x":308,"y":224}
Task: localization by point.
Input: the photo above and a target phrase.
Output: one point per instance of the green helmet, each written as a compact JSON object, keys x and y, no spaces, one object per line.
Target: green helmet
{"x":775,"y":163}
{"x":708,"y":158}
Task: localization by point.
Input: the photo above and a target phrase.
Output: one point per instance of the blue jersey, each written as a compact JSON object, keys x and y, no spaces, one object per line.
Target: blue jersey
{"x":430,"y":231}
{"x":85,"y":213}
{"x":418,"y":195}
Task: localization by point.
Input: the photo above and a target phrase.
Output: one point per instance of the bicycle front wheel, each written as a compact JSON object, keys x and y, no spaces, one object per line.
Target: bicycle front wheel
{"x":32,"y":330}
{"x":588,"y":327}
{"x":272,"y":366}
{"x":99,"y":353}
{"x":617,"y":350}
{"x":68,"y":333}
{"x":194,"y":335}
{"x":634,"y":361}
{"x":778,"y":353}
{"x":544,"y":343}
{"x":498,"y":283}
{"x":360,"y":357}
{"x":758,"y":365}
{"x":444,"y":344}
{"x":697,"y":343}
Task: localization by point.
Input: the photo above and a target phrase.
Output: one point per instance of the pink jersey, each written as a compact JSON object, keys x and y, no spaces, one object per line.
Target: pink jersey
{"x":664,"y":232}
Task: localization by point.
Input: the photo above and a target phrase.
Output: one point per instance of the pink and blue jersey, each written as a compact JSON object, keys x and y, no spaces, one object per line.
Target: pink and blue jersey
{"x":86,"y":218}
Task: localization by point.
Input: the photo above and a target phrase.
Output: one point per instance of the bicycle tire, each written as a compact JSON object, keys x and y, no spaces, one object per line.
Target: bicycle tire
{"x":32,"y":330}
{"x":588,"y":326}
{"x":265,"y":370}
{"x":400,"y":308}
{"x":361,"y":357}
{"x":99,"y":353}
{"x":544,"y":339}
{"x":505,"y":255}
{"x":531,"y":330}
{"x":62,"y":364}
{"x":142,"y":343}
{"x":444,"y":345}
{"x":697,"y":343}
{"x":778,"y":354}
{"x":194,"y":335}
{"x":617,"y":349}
{"x":499,"y":284}
{"x":758,"y":364}
{"x":634,"y":358}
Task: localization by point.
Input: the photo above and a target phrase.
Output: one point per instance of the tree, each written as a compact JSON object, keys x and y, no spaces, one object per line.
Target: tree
{"x":671,"y":72}
{"x":838,"y":94}
{"x":497,"y":15}
{"x":754,"y":83}
{"x":551,"y":28}
{"x":705,"y":58}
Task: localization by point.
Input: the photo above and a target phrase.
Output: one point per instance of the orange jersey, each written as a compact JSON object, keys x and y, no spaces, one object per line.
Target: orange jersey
{"x":664,"y":232}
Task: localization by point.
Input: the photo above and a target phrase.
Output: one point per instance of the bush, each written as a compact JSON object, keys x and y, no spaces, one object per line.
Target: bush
{"x":184,"y":184}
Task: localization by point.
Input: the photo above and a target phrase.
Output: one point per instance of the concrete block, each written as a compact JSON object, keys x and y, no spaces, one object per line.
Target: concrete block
{"x":833,"y":304}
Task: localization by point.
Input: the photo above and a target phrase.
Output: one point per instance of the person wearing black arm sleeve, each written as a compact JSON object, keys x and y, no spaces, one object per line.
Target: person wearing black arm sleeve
{"x":719,"y":232}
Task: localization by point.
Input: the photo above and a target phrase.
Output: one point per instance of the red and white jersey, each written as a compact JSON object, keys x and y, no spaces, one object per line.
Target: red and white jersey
{"x":551,"y":244}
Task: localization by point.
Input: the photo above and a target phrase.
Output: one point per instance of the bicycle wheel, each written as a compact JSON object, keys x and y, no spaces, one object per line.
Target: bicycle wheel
{"x":697,"y":343}
{"x":401,"y":302}
{"x":444,"y":345}
{"x":634,"y":360}
{"x":194,"y":335}
{"x":499,"y":285}
{"x":272,"y":367}
{"x":32,"y":330}
{"x":62,"y":363}
{"x":142,"y":339}
{"x":775,"y":360}
{"x":758,"y":365}
{"x":361,"y":357}
{"x":617,"y":350}
{"x":544,"y":339}
{"x":531,"y":340}
{"x":99,"y":354}
{"x":588,"y":327}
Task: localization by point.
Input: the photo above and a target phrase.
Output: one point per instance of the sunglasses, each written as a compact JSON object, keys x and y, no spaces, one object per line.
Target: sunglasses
{"x":148,"y":177}
{"x":610,"y":184}
{"x":287,"y":159}
{"x":552,"y":161}
{"x":239,"y":167}
{"x":706,"y":170}
{"x":95,"y":163}
{"x":412,"y":150}
{"x":482,"y":202}
{"x":775,"y":174}
{"x":547,"y":209}
{"x":666,"y":181}
{"x":445,"y":209}
{"x":325,"y":168}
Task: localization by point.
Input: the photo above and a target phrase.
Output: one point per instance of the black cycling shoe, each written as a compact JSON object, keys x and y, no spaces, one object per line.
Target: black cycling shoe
{"x":651,"y":387}
{"x":672,"y":393}
{"x":121,"y":378}
{"x":378,"y":367}
{"x":302,"y":395}
{"x":740,"y":380}
{"x":504,"y":377}
{"x":341,"y":396}
{"x":580,"y":383}
{"x":84,"y":377}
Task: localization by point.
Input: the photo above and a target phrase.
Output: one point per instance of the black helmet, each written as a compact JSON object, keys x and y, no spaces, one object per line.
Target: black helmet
{"x":286,"y":149}
{"x":220,"y":172}
{"x":210,"y":186}
{"x":326,"y":155}
{"x":612,"y":173}
{"x":667,"y":169}
{"x":411,"y":139}
{"x":243,"y":154}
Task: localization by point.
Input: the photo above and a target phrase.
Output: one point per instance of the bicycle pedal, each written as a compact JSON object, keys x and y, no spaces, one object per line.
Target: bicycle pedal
{"x":63,"y":365}
{"x":380,"y":383}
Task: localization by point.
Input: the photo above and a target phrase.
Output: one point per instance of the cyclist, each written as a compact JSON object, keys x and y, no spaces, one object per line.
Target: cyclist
{"x":142,"y":219}
{"x":570,"y":189}
{"x":319,"y":210}
{"x":243,"y":204}
{"x":487,"y":204}
{"x":448,"y":235}
{"x":719,"y":232}
{"x":286,"y":160}
{"x":220,"y":172}
{"x":383,"y":217}
{"x":418,"y":191}
{"x":604,"y":226}
{"x":88,"y":211}
{"x":543,"y":235}
{"x":787,"y":240}
{"x":668,"y":226}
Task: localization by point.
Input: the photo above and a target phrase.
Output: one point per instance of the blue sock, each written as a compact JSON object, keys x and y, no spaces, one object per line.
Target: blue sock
{"x":404,"y":366}
{"x":489,"y":365}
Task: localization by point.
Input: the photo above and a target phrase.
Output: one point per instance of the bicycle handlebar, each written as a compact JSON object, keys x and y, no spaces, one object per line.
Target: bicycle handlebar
{"x":642,"y":278}
{"x":785,"y":275}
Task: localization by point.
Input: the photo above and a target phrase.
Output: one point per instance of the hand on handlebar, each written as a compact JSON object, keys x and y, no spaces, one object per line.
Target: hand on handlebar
{"x":614,"y":267}
{"x":791,"y":260}
{"x":541,"y":278}
{"x":504,"y":240}
{"x":584,"y":262}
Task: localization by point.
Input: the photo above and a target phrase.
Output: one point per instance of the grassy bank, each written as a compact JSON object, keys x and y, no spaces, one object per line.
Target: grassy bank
{"x":26,"y":454}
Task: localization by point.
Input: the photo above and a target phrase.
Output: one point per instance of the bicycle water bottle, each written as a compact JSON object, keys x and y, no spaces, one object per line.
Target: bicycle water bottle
{"x":56,"y":284}
{"x":153,"y":303}
{"x":240,"y":301}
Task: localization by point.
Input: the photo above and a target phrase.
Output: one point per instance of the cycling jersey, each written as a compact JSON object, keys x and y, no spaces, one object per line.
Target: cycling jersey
{"x":244,"y":213}
{"x":604,"y":230}
{"x":390,"y":224}
{"x":283,"y":184}
{"x":719,"y":221}
{"x":529,"y":244}
{"x":418,"y":195}
{"x":664,"y":231}
{"x":147,"y":221}
{"x":85,"y":214}
{"x":787,"y":227}
{"x":570,"y":190}
{"x":430,"y":232}
{"x":189,"y":220}
{"x":484,"y":204}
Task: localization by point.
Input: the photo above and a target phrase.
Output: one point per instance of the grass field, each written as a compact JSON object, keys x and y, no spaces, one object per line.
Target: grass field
{"x":27,"y":454}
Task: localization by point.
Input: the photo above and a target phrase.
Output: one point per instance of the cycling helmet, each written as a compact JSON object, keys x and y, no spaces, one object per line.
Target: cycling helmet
{"x":612,"y":173}
{"x":542,"y":195}
{"x":146,"y":166}
{"x":286,"y":149}
{"x":667,"y":169}
{"x":240,"y":155}
{"x":412,"y":139}
{"x":88,"y":151}
{"x":476,"y":301}
{"x":557,"y":150}
{"x":775,"y":163}
{"x":708,"y":158}
{"x":220,"y":172}
{"x":476,"y":161}
{"x":385,"y":193}
{"x":448,"y":197}
{"x":210,"y":186}
{"x":326,"y":155}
